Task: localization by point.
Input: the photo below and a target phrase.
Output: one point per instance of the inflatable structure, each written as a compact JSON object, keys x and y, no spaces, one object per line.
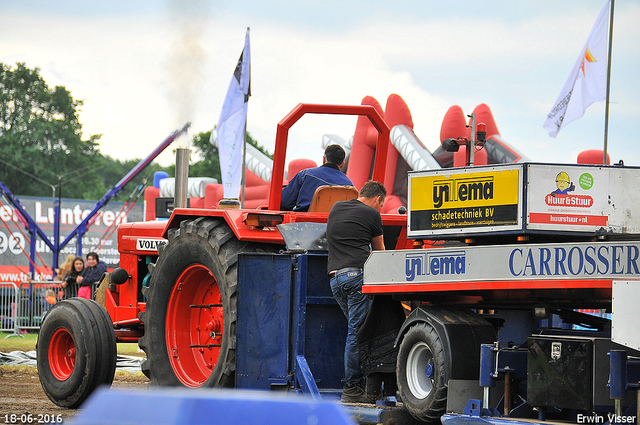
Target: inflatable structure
{"x":405,"y":153}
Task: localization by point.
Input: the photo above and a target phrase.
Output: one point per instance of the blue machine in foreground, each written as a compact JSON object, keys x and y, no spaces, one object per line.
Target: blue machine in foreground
{"x":180,"y":406}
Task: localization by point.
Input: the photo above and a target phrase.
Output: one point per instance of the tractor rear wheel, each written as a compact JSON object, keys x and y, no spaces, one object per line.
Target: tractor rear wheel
{"x":76,"y":351}
{"x":420,"y":371}
{"x":190,"y":319}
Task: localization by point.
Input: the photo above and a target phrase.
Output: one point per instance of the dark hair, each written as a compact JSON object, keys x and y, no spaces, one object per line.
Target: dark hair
{"x":76,"y":259}
{"x":334,"y":154}
{"x":373,"y":188}
{"x":93,"y":254}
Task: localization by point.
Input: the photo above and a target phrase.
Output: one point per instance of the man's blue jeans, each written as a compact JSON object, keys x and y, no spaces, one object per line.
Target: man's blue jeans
{"x":347,"y":290}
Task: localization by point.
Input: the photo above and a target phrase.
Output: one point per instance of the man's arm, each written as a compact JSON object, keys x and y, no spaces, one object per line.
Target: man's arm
{"x":377,"y":243}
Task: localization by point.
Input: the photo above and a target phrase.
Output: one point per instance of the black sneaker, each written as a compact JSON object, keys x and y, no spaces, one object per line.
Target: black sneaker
{"x":372,"y":398}
{"x":354,"y":394}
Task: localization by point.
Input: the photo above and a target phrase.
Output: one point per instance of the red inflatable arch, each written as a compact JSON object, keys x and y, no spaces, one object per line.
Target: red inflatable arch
{"x":396,"y":113}
{"x":363,"y":147}
{"x":454,"y":125}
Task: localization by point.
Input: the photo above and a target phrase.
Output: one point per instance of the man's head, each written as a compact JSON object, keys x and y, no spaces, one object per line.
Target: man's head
{"x":92,"y":259}
{"x":562,"y":180}
{"x":373,"y":193}
{"x":334,"y":154}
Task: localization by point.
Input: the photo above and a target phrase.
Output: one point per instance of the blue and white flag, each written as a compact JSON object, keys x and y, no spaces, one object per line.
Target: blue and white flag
{"x":587,"y":82}
{"x":232,"y":124}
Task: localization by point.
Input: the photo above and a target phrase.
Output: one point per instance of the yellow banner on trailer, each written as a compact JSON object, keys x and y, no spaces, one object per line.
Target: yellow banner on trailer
{"x":448,"y":200}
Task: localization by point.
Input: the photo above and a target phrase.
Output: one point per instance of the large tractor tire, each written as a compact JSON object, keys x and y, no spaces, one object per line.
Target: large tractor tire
{"x":190,"y":319}
{"x":421,"y":373}
{"x":76,"y":351}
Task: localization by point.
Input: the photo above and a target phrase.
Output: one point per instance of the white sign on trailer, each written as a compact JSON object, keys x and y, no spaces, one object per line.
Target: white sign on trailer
{"x":625,"y":300}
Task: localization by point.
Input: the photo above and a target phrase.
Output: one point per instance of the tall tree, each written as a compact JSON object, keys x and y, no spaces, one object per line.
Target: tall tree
{"x":41,"y":137}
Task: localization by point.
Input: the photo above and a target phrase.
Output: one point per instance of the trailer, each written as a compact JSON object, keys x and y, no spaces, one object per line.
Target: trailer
{"x":505,"y":259}
{"x":493,"y":262}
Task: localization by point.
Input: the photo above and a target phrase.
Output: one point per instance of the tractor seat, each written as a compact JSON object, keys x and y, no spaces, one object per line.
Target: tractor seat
{"x":325,"y":196}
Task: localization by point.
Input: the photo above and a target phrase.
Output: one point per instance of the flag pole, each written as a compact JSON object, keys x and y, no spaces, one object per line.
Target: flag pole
{"x":606,"y":108}
{"x":244,"y":144}
{"x":244,"y":162}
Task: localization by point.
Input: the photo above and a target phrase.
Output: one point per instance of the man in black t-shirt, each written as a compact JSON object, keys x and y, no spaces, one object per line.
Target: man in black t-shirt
{"x":354,"y":228}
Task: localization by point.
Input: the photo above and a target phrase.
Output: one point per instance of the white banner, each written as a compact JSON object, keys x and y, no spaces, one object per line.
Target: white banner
{"x":587,"y":82}
{"x":232,"y":122}
{"x":585,"y":260}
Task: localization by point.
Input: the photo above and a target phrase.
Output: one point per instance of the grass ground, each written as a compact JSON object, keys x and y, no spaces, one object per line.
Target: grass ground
{"x":27,"y":342}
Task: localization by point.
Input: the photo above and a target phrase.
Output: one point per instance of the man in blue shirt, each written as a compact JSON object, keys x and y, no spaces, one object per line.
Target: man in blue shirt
{"x":296,"y":196}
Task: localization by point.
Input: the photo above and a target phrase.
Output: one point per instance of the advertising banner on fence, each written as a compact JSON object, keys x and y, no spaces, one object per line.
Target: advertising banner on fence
{"x":446,"y":202}
{"x":101,"y":236}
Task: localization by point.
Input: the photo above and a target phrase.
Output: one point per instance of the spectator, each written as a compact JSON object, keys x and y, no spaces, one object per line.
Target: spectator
{"x":296,"y":196}
{"x":70,"y":286}
{"x":354,"y":227}
{"x":90,"y":275}
{"x":61,"y":272}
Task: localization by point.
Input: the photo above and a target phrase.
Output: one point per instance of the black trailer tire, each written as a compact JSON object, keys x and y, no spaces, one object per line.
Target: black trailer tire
{"x":420,"y":371}
{"x":191,"y":311}
{"x":76,"y":351}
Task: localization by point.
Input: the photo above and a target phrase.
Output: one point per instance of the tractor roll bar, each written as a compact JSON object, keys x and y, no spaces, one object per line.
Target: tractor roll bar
{"x":282,"y":133}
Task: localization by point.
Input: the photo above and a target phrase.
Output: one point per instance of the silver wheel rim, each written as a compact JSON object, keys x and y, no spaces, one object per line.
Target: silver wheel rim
{"x":420,"y":385}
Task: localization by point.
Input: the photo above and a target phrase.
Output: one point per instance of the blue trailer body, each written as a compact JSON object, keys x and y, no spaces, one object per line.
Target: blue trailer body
{"x":291,"y":330}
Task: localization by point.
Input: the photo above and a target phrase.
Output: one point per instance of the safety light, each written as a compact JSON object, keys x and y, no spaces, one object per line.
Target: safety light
{"x":481,"y":134}
{"x":417,"y":243}
{"x":262,"y":220}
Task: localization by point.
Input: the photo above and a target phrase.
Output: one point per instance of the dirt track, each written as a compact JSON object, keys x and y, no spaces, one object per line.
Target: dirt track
{"x":21,"y":394}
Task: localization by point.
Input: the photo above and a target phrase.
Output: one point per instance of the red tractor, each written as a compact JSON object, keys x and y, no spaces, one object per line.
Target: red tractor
{"x":176,"y":291}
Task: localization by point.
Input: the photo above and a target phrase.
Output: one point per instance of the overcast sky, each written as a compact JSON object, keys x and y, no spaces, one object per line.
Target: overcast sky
{"x":145,"y":68}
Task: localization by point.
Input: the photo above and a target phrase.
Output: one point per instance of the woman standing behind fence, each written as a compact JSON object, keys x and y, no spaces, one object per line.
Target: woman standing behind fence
{"x":70,"y":286}
{"x":61,"y":272}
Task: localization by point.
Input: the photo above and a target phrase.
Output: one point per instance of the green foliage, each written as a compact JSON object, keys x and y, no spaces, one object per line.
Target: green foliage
{"x":41,"y":144}
{"x":209,"y":163}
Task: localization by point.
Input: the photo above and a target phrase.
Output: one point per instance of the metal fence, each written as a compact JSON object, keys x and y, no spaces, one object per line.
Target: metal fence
{"x":23,"y":306}
{"x":36,"y":298}
{"x":8,"y":305}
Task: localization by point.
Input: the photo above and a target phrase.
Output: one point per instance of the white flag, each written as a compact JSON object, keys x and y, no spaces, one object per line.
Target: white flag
{"x":231,"y":125}
{"x":587,"y":82}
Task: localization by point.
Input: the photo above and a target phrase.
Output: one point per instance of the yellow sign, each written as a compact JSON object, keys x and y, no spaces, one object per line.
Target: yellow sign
{"x":457,"y":200}
{"x":464,"y":190}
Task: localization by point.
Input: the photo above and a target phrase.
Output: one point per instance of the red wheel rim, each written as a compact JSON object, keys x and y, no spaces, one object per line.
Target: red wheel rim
{"x":194,"y":326}
{"x":62,"y":354}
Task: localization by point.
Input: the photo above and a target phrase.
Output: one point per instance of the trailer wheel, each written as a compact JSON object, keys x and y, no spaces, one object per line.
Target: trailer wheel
{"x":420,"y":371}
{"x":190,"y":322}
{"x":76,"y":351}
